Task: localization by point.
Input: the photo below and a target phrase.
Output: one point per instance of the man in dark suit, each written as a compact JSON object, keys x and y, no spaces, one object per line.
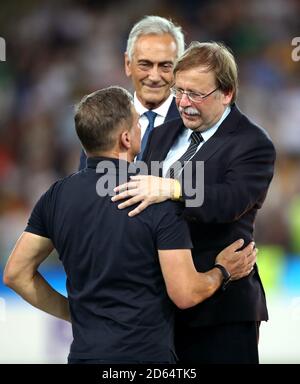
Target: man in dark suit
{"x":238,"y":161}
{"x":153,"y":45}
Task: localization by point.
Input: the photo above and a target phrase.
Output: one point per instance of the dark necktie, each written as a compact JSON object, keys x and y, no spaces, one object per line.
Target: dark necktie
{"x":151,"y":117}
{"x":176,"y":167}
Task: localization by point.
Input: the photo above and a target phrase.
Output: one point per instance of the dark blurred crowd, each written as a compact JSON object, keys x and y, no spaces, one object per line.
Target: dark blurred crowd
{"x":57,"y":51}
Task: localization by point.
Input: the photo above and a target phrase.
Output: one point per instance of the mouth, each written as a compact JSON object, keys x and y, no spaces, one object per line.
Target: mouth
{"x":154,"y":86}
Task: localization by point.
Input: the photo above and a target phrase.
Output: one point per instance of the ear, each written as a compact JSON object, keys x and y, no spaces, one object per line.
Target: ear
{"x":227,"y":97}
{"x":125,"y":139}
{"x":127,"y":65}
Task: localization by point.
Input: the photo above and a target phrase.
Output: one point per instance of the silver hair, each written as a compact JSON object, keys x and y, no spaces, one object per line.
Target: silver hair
{"x":155,"y":25}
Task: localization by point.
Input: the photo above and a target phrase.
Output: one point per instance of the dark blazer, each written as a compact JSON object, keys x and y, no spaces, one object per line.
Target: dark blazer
{"x":171,"y":115}
{"x":172,"y":112}
{"x":238,"y":168}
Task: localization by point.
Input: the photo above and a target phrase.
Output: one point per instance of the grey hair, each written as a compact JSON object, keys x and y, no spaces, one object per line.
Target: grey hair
{"x":155,"y":25}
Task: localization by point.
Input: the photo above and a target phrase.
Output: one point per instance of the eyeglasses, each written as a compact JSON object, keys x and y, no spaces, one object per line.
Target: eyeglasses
{"x":193,"y":96}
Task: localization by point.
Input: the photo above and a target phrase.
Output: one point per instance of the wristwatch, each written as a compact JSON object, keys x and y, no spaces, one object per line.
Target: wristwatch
{"x":226,"y":276}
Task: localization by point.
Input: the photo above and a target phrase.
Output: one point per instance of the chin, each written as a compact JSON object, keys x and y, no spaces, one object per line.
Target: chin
{"x":186,"y":120}
{"x":190,"y":123}
{"x":154,"y":94}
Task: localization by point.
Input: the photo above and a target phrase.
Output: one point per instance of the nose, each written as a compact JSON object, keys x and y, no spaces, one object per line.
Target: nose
{"x":184,"y":101}
{"x":154,"y":74}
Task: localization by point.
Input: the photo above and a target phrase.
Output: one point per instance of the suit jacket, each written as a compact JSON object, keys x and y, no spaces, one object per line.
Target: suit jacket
{"x":171,"y":115}
{"x":238,"y":168}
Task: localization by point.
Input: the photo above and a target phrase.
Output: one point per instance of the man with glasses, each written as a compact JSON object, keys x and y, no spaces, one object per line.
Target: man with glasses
{"x":238,"y":161}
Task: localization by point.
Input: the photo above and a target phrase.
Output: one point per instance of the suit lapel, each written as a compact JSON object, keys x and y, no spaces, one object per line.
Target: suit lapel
{"x":172,"y":132}
{"x":163,"y":138}
{"x":172,"y":112}
{"x":221,"y":137}
{"x":170,"y":135}
{"x":209,"y":148}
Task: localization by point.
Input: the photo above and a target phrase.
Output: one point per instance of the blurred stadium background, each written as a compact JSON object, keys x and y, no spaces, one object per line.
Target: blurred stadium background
{"x":59,"y":50}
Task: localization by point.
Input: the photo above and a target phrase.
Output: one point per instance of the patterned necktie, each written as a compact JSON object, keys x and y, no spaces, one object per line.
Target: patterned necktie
{"x":151,"y":117}
{"x":176,"y":168}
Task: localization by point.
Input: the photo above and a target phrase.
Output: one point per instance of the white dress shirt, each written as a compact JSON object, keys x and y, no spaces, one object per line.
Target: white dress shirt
{"x":182,"y":142}
{"x":161,"y":111}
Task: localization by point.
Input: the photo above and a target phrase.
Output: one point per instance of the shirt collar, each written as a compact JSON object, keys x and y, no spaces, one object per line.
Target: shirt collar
{"x":162,"y":110}
{"x":212,"y":130}
{"x":94,"y":162}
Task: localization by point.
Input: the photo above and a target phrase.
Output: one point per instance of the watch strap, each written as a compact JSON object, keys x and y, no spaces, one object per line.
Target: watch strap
{"x":226,"y":276}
